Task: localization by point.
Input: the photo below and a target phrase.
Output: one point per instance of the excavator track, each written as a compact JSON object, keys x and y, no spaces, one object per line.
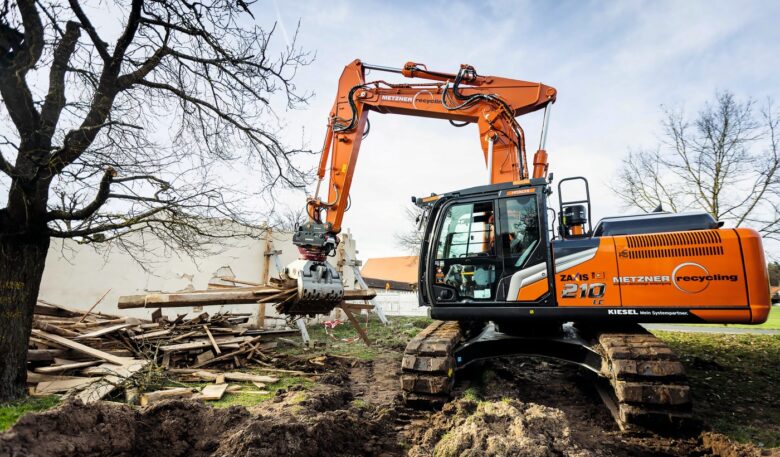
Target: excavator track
{"x":428,"y":365}
{"x":648,"y":384}
{"x":643,"y":382}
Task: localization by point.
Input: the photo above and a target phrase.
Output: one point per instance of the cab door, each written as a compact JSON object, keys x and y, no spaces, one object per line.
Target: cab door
{"x":464,"y":266}
{"x":523,"y":247}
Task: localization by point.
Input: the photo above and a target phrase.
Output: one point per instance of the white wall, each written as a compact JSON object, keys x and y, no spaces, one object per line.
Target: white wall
{"x":77,"y":275}
{"x":396,"y":303}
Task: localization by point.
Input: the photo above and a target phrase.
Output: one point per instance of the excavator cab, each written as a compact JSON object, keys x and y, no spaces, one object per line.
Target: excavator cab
{"x":476,"y":242}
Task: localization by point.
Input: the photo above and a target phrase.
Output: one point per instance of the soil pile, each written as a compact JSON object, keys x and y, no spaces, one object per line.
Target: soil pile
{"x":320,"y":422}
{"x":467,"y":428}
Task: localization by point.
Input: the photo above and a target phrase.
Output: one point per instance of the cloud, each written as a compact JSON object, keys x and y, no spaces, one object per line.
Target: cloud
{"x":614,"y":64}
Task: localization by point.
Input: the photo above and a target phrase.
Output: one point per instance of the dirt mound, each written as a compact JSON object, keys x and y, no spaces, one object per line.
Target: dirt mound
{"x":185,"y":428}
{"x":320,"y":422}
{"x":74,"y":430}
{"x":498,"y":428}
{"x":723,"y":447}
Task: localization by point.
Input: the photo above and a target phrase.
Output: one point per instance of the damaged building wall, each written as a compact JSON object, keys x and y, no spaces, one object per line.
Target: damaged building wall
{"x":77,"y":275}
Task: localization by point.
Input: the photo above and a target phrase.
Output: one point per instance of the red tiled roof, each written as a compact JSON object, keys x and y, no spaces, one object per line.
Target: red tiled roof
{"x":400,"y":269}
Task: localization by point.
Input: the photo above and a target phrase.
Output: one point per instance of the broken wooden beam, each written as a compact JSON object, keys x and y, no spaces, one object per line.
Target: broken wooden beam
{"x":237,"y":296}
{"x":212,"y":392}
{"x":148,"y":398}
{"x":80,"y":347}
{"x":202,"y":344}
{"x":130,"y":322}
{"x":53,"y":329}
{"x":64,"y":385}
{"x":44,"y":355}
{"x":234,"y":376}
{"x":66,"y":367}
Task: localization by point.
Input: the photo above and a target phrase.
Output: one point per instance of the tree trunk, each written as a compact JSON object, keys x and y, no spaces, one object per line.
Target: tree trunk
{"x":22,"y":259}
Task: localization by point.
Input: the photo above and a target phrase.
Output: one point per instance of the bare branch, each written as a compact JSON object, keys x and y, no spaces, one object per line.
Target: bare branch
{"x":90,"y":209}
{"x":55,"y":99}
{"x":724,"y":161}
{"x":100,"y":45}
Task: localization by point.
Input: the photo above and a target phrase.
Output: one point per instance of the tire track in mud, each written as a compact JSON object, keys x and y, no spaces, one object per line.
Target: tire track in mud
{"x":377,"y":383}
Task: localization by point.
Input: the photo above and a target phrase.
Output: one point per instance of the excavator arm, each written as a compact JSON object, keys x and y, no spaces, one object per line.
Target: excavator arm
{"x":490,"y":102}
{"x":465,"y":98}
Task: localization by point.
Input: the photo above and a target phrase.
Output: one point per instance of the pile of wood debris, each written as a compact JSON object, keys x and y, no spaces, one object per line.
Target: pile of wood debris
{"x":88,"y":355}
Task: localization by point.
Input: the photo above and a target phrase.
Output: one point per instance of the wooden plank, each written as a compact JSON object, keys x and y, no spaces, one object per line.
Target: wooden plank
{"x":148,"y":398}
{"x":93,"y":306}
{"x":59,"y":386}
{"x":237,"y":296}
{"x":245,"y":347}
{"x":44,"y":355}
{"x":101,"y":370}
{"x":108,"y":383}
{"x":44,"y":309}
{"x":35,"y":378}
{"x":182,"y":336}
{"x":105,"y":331}
{"x":79,"y":347}
{"x":211,"y":338}
{"x":73,"y":312}
{"x":235,"y":376}
{"x":44,"y":344}
{"x":357,"y":326}
{"x":212,"y":392}
{"x":145,"y":336}
{"x":261,"y":316}
{"x":202,"y":344}
{"x":205,"y":356}
{"x":99,"y":323}
{"x":53,"y":329}
{"x":359,"y":306}
{"x":66,"y":367}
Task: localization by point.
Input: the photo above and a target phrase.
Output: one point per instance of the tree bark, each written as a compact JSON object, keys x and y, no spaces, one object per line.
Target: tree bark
{"x":22,"y":259}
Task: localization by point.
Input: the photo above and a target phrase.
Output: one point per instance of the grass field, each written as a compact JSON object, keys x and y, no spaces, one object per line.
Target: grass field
{"x":735,"y":380}
{"x":772,"y":322}
{"x":11,"y":412}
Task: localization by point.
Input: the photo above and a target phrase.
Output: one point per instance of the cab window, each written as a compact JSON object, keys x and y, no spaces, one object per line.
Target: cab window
{"x":519,"y":227}
{"x":467,"y":231}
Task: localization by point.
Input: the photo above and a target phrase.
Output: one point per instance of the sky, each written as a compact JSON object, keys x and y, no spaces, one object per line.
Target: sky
{"x":614,"y":64}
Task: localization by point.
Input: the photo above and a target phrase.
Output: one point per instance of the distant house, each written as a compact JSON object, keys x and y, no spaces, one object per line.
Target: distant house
{"x":774,"y":294}
{"x":391,"y":273}
{"x":395,"y":281}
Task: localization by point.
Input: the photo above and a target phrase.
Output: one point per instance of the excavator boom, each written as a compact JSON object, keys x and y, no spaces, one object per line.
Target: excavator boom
{"x":490,"y":102}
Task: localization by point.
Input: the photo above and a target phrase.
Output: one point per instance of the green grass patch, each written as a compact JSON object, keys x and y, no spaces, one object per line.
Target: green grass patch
{"x":735,"y":381}
{"x":772,"y":322}
{"x":344,"y":339}
{"x":247,"y":399}
{"x":11,"y":412}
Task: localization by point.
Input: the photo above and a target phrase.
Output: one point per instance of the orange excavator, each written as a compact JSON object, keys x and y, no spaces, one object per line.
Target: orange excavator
{"x":504,"y":274}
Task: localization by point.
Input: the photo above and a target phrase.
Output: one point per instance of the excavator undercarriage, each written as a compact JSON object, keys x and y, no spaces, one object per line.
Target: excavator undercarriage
{"x":639,"y":378}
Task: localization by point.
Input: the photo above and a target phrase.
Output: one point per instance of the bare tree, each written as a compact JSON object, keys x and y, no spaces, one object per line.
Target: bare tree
{"x":410,"y":240}
{"x":288,"y":219}
{"x":725,"y":161}
{"x":107,"y":132}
